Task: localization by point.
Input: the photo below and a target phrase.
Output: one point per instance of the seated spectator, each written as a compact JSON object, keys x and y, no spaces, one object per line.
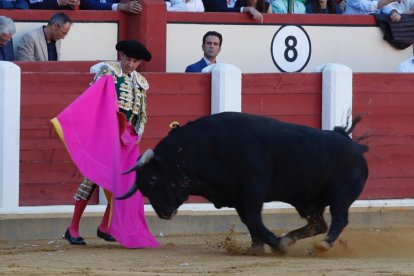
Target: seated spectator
{"x":53,"y":4}
{"x":395,"y":9}
{"x":7,"y":30}
{"x":13,"y":4}
{"x":262,"y":6}
{"x":132,"y":6}
{"x":195,"y":5}
{"x":407,"y":66}
{"x":281,"y":6}
{"x":176,"y":5}
{"x":43,"y":44}
{"x":185,"y":5}
{"x":323,"y":6}
{"x":211,"y":47}
{"x":365,"y":6}
{"x":231,"y":6}
{"x":341,"y":4}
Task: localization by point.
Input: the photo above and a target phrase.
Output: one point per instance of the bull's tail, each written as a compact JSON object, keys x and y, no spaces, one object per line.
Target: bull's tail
{"x":347,"y":130}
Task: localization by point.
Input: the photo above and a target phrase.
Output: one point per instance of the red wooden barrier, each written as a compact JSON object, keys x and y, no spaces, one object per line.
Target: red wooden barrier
{"x":294,"y":98}
{"x":48,"y":176}
{"x":386,"y":102}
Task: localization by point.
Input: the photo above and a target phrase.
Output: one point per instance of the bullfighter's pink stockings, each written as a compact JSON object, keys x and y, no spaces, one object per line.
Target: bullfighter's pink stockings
{"x":104,"y":226}
{"x":80,"y":206}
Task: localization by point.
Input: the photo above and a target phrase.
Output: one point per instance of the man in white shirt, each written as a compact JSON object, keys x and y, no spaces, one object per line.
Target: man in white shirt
{"x":185,"y":5}
{"x":366,"y":6}
{"x":407,"y":66}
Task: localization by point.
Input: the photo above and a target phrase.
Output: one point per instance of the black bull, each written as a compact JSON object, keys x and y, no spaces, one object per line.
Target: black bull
{"x":241,"y":160}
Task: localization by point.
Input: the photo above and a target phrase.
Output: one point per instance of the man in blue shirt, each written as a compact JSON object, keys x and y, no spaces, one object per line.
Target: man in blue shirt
{"x":211,"y":47}
{"x":366,"y":6}
{"x":7,"y":29}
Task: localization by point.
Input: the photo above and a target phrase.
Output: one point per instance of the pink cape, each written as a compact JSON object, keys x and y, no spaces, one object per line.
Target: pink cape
{"x":103,"y":145}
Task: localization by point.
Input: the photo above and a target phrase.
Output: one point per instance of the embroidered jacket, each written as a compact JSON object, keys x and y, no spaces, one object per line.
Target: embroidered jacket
{"x":131,"y":90}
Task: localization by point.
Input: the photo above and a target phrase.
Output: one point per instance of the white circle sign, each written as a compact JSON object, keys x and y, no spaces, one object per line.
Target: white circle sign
{"x":291,"y":48}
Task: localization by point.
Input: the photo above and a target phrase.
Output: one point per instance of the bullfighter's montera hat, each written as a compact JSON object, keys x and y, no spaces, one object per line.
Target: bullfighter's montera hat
{"x":133,"y":49}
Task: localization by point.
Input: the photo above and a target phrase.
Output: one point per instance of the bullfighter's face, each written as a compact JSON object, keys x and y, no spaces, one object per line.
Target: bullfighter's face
{"x":129,"y":64}
{"x":158,"y":187}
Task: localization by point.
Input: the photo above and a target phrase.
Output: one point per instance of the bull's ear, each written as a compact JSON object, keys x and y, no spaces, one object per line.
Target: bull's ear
{"x":145,"y":158}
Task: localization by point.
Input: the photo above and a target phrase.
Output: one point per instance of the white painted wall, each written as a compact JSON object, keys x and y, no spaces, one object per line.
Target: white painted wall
{"x":249,"y":47}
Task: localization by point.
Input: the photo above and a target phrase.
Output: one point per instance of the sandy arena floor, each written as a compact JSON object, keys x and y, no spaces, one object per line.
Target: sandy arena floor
{"x":371,"y":252}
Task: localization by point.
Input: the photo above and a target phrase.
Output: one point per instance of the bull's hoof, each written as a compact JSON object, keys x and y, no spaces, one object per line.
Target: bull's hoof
{"x":256,"y":250}
{"x":283,"y":245}
{"x":322,"y":246}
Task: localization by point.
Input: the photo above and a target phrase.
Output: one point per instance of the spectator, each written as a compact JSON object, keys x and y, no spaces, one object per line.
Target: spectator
{"x":261,"y":5}
{"x":132,"y":6}
{"x":281,"y":6}
{"x":53,"y":4}
{"x":211,"y":47}
{"x":14,"y":4}
{"x":231,"y":6}
{"x":195,"y":5}
{"x":407,"y":66}
{"x":365,"y":6}
{"x":395,"y":9}
{"x":323,"y":6}
{"x":43,"y":44}
{"x":123,"y":220}
{"x":176,"y":6}
{"x":7,"y":30}
{"x":185,"y":5}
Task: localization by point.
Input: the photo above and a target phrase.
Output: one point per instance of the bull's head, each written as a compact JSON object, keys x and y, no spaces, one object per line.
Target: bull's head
{"x":157,"y":185}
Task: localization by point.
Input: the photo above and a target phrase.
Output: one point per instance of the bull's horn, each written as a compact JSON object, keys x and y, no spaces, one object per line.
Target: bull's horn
{"x":145,"y":158}
{"x":130,"y":192}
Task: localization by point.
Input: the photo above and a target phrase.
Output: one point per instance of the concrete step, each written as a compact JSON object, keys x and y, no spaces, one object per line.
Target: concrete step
{"x":30,"y":223}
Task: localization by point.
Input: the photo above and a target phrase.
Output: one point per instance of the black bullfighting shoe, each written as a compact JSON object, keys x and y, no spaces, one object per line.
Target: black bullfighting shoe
{"x":72,"y":240}
{"x":105,"y":236}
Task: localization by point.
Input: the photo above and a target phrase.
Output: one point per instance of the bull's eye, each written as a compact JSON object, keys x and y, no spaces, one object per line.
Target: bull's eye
{"x":153,"y":180}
